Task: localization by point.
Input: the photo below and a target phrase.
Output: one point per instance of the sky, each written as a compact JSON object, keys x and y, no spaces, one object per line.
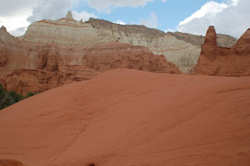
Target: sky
{"x":191,"y":16}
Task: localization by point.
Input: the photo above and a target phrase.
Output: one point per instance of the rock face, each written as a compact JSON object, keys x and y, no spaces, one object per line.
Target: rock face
{"x":51,"y":53}
{"x":116,"y":55}
{"x":3,"y":56}
{"x":48,"y":59}
{"x":216,"y":60}
{"x":54,"y":65}
{"x":55,"y":46}
{"x":24,"y":81}
{"x":132,"y":118}
{"x":43,"y":59}
{"x":178,"y":48}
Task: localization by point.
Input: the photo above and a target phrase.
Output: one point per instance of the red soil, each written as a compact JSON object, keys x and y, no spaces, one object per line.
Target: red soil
{"x":4,"y":162}
{"x":132,"y":118}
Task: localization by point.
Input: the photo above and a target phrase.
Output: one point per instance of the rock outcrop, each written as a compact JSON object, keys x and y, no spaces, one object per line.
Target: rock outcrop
{"x":55,"y":66}
{"x":3,"y":55}
{"x":55,"y":46}
{"x":5,"y":37}
{"x":178,"y":48}
{"x":24,"y":81}
{"x":242,"y":47}
{"x":209,"y":48}
{"x":108,"y":56}
{"x":223,"y":61}
{"x":48,"y":58}
{"x":132,"y":118}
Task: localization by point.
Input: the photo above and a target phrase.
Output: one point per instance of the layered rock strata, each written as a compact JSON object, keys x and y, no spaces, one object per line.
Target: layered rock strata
{"x":24,"y":81}
{"x":62,"y":47}
{"x":38,"y":68}
{"x":178,"y":48}
{"x":117,"y":55}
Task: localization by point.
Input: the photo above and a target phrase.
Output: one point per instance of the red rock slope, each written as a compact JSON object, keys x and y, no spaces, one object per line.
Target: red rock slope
{"x":215,"y":60}
{"x":132,"y":118}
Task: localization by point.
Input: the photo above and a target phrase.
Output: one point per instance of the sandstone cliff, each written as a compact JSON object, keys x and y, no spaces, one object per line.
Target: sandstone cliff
{"x":216,"y":60}
{"x":3,"y":55}
{"x":54,"y":66}
{"x":178,"y":48}
{"x":24,"y":81}
{"x":117,"y":55}
{"x":59,"y":48}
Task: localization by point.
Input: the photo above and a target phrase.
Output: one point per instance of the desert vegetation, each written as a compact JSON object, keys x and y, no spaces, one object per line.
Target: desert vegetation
{"x":8,"y":98}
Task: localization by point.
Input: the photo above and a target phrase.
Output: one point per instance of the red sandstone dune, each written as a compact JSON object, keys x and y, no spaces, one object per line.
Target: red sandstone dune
{"x":132,"y":118}
{"x":6,"y":162}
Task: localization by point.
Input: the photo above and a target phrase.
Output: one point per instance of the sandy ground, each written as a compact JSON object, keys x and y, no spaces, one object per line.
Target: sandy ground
{"x":132,"y":118}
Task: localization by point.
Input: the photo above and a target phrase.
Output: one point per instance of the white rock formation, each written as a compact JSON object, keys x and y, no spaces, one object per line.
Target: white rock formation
{"x":181,"y":49}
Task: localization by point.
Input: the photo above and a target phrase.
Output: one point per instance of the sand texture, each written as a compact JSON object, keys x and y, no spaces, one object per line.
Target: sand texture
{"x":132,"y":118}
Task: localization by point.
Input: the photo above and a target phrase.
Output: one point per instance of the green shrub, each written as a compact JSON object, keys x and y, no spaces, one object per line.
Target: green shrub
{"x":29,"y":94}
{"x":15,"y":96}
{"x":9,"y":98}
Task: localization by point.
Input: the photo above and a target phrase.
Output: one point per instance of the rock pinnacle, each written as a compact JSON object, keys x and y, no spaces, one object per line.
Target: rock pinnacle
{"x":69,"y":15}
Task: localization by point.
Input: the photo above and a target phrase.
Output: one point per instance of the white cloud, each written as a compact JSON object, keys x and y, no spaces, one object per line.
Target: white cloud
{"x":234,"y":2}
{"x":151,"y":21}
{"x":83,"y":15}
{"x":231,"y":17}
{"x":46,"y":10}
{"x":12,"y":7}
{"x":120,"y":22}
{"x":16,"y":21}
{"x":107,"y":5}
{"x":210,"y":8}
{"x":169,"y":30}
{"x":19,"y":31}
{"x":17,"y":17}
{"x":52,"y":9}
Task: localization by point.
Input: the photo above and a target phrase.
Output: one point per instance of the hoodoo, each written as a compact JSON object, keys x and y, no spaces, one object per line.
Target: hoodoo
{"x":69,"y":16}
{"x":224,"y":61}
{"x":242,"y":47}
{"x":209,"y":47}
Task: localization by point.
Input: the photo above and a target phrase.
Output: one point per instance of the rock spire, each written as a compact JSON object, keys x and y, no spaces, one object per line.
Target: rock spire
{"x":69,"y":15}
